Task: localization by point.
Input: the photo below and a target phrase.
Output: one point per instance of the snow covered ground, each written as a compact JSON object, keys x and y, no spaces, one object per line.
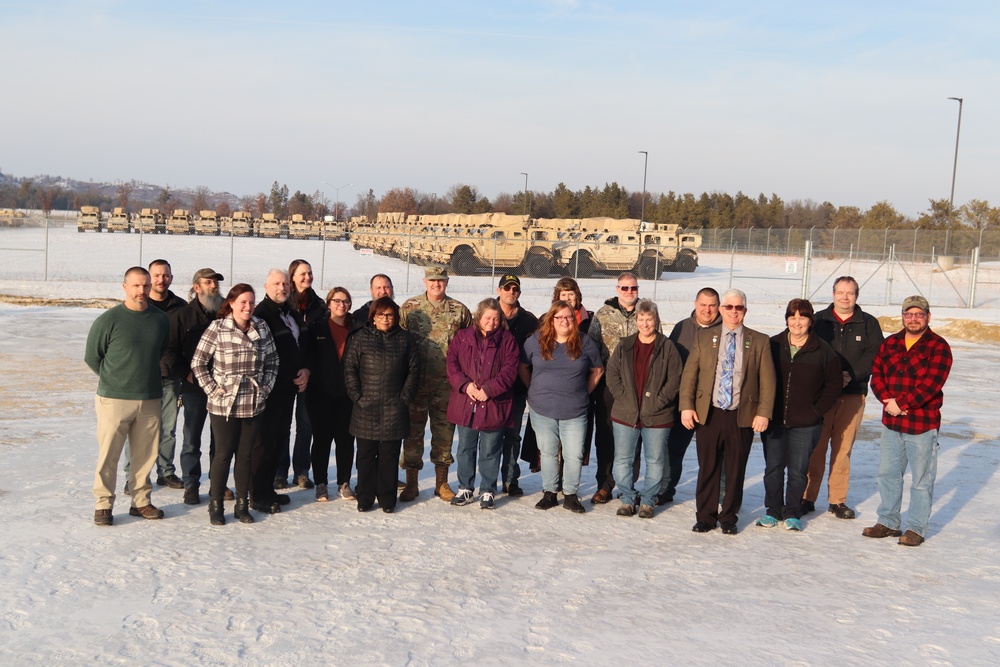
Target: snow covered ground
{"x":433,"y":584}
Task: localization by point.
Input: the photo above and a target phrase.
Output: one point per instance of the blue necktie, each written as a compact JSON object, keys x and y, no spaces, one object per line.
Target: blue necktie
{"x":726,"y":381}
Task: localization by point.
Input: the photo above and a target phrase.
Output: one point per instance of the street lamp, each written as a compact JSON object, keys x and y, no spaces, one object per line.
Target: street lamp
{"x":525,"y":174}
{"x":954,"y":171}
{"x":645,"y":163}
{"x":336,"y":207}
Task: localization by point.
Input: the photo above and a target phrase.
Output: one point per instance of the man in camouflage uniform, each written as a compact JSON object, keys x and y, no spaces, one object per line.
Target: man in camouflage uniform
{"x":615,"y":320}
{"x":433,"y":318}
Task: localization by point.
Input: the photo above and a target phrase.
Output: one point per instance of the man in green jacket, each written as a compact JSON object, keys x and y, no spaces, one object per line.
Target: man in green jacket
{"x":124,"y":347}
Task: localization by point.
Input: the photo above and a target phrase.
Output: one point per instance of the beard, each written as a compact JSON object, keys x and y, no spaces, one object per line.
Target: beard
{"x":211,"y":301}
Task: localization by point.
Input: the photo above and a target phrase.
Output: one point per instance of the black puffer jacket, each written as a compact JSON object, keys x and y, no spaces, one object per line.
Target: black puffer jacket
{"x":381,"y":374}
{"x":856,"y":342}
{"x":808,"y":383}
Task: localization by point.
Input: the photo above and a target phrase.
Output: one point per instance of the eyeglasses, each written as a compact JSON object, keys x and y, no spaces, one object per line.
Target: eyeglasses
{"x":739,"y":307}
{"x":562,"y":318}
{"x":341,"y":302}
{"x":383,"y":316}
{"x":629,"y":288}
{"x":914,"y":316}
{"x":511,"y":287}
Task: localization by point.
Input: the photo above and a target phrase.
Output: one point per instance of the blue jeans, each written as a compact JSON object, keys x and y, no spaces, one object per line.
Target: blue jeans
{"x":550,"y":433}
{"x":168,"y":430}
{"x":195,"y":414}
{"x":921,"y":453}
{"x":510,"y":470}
{"x":487,"y":444}
{"x":791,"y":449}
{"x":654,"y":446}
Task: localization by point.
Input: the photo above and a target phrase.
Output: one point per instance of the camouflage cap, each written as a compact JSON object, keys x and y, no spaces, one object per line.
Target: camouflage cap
{"x":205,"y":274}
{"x":436,"y":272}
{"x":916,"y":302}
{"x":509,"y":279}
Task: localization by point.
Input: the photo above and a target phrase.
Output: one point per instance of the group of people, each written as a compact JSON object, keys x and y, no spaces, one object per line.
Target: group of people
{"x":366,"y":383}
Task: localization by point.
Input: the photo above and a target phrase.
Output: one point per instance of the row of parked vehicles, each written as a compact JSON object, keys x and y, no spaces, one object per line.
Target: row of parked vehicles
{"x":207,"y":223}
{"x":532,"y":247}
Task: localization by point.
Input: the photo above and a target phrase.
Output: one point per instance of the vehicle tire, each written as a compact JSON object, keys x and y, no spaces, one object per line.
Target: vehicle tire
{"x":80,"y":229}
{"x":648,"y":267}
{"x":581,"y":265}
{"x":685,"y":264}
{"x":537,"y":266}
{"x":463,"y":263}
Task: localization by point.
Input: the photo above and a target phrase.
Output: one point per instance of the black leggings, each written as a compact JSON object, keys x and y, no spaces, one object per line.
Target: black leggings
{"x":233,"y":438}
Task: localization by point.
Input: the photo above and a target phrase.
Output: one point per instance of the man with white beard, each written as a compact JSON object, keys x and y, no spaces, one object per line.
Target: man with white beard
{"x":186,"y":326}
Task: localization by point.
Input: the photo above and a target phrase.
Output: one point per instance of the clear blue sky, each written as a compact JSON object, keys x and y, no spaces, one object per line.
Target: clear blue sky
{"x":845,"y":101}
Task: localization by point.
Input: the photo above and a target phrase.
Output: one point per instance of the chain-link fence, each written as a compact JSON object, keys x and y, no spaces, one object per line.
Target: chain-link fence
{"x":772,"y":261}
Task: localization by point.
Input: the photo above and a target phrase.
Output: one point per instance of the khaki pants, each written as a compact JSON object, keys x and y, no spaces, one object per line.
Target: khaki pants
{"x":117,"y":419}
{"x":840,"y":428}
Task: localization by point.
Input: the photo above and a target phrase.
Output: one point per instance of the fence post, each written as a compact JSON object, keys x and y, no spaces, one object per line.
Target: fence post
{"x":232,"y":245}
{"x":973,"y":277}
{"x":47,"y":248}
{"x":732,"y":258}
{"x":888,"y":276}
{"x":806,"y":266}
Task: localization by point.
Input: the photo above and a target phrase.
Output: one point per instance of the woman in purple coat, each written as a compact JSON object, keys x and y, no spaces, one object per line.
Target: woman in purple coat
{"x":482,"y":365}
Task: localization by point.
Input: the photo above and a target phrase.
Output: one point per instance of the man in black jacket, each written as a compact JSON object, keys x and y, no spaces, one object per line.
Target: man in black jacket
{"x":704,"y":316}
{"x":380,"y":285}
{"x":522,"y":324}
{"x":293,"y":376}
{"x":186,"y":326}
{"x":855,"y":336}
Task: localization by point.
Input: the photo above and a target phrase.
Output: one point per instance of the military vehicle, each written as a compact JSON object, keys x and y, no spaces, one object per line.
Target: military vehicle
{"x":150,"y":221}
{"x":628,"y":245}
{"x":119,"y":221}
{"x":299,"y":227}
{"x":239,"y":224}
{"x":268,"y":227}
{"x":89,"y":218}
{"x":180,"y":222}
{"x":7,"y":218}
{"x":207,"y":224}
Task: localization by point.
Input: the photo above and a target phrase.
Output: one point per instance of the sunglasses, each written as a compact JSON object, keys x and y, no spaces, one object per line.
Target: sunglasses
{"x":629,"y":288}
{"x":511,"y":287}
{"x":739,"y":308}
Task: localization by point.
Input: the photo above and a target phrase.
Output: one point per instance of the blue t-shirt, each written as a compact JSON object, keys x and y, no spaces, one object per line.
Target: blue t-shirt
{"x":559,"y":385}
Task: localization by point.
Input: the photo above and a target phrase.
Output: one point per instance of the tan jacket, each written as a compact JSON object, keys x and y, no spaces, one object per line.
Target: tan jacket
{"x":756,"y":389}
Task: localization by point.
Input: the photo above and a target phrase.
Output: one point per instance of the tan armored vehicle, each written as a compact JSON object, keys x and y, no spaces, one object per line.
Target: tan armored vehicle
{"x":268,"y":227}
{"x":119,"y":221}
{"x":298,"y":227}
{"x":7,"y":217}
{"x":627,"y":245}
{"x":150,"y":221}
{"x":207,"y":224}
{"x":241,"y":224}
{"x":89,"y":218}
{"x":179,"y":222}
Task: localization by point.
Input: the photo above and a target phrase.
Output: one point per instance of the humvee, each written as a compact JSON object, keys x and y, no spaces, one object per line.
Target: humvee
{"x":89,"y":218}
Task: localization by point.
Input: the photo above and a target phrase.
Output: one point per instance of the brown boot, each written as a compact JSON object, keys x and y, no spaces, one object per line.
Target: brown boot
{"x":410,"y":491}
{"x":441,"y":488}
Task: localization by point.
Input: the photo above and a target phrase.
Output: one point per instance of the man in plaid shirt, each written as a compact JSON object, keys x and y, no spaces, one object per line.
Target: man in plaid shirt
{"x":908,"y":376}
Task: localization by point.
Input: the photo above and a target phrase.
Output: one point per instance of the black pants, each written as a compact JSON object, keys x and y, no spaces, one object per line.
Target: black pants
{"x":234,"y":438}
{"x":722,"y":444}
{"x":331,"y":421}
{"x":377,"y":461}
{"x":275,"y":430}
{"x":604,"y":437}
{"x":677,"y":446}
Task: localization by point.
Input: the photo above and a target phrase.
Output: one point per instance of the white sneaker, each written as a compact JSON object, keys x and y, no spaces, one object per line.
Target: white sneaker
{"x":486,"y":501}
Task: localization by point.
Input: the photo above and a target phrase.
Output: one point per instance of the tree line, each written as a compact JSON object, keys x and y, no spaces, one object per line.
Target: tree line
{"x":706,"y":211}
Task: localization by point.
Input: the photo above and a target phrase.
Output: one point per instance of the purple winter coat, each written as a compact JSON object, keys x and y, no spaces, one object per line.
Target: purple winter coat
{"x":491,"y":362}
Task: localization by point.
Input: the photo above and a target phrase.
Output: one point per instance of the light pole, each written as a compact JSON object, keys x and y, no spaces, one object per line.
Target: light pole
{"x":954,"y":171}
{"x":642,"y":208}
{"x":336,"y":207}
{"x":526,"y":210}
{"x":434,"y":203}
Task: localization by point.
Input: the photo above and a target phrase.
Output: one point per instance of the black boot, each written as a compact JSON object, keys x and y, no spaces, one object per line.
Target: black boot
{"x":215,"y":513}
{"x":241,"y":512}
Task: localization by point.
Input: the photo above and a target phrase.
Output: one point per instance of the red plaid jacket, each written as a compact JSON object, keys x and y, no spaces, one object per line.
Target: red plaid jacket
{"x":915,"y":378}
